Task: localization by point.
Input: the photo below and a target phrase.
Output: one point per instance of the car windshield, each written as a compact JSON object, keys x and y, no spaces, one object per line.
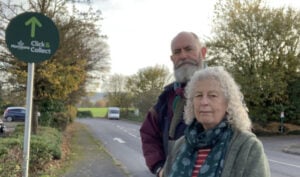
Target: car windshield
{"x":114,"y":111}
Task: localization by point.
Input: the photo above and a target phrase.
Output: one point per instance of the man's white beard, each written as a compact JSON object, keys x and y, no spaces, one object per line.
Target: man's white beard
{"x":184,"y":73}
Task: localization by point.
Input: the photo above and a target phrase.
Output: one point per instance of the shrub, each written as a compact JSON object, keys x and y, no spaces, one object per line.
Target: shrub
{"x":83,"y":114}
{"x":60,"y":120}
{"x":72,"y":112}
{"x":294,"y":132}
{"x":40,"y":153}
{"x":43,"y":148}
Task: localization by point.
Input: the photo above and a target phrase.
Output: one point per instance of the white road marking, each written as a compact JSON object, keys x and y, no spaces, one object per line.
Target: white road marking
{"x":283,"y":163}
{"x":119,"y":140}
{"x":132,"y":135}
{"x":126,"y":131}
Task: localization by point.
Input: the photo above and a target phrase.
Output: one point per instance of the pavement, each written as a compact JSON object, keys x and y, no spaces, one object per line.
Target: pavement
{"x":292,"y":149}
{"x":92,"y":159}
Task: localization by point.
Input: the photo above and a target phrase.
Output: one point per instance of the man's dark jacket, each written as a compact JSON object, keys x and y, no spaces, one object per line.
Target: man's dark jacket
{"x":155,"y":129}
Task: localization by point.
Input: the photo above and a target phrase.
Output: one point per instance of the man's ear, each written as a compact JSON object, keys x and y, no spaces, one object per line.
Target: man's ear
{"x":203,"y":52}
{"x":171,"y":57}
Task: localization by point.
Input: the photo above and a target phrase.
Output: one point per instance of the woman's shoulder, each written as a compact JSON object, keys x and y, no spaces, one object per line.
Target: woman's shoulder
{"x":245,"y":137}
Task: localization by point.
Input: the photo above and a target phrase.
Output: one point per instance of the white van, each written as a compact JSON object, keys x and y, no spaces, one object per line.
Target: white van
{"x":113,"y":113}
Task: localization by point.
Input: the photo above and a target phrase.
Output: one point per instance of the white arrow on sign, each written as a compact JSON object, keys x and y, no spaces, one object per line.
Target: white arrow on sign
{"x":119,"y":140}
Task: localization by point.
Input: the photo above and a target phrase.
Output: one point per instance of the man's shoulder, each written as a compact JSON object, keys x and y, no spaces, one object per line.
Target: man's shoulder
{"x":164,"y":96}
{"x":169,"y":87}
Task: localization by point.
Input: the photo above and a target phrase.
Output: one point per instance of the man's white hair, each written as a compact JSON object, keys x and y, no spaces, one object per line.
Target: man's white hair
{"x":237,"y":112}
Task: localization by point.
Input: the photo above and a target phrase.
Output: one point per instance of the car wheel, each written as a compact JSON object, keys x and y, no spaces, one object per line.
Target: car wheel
{"x":9,"y":119}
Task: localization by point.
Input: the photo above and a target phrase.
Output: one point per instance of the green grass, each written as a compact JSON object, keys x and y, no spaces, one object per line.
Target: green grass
{"x":102,"y":113}
{"x":96,"y":112}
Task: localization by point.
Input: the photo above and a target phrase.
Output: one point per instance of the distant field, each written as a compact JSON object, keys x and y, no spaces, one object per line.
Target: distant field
{"x":102,"y":113}
{"x":96,"y":112}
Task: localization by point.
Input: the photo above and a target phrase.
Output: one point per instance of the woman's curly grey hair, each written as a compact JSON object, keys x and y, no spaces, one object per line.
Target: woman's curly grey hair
{"x":237,"y":112}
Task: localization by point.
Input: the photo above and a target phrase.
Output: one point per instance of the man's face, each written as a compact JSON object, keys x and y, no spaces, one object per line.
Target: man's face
{"x":186,"y":56}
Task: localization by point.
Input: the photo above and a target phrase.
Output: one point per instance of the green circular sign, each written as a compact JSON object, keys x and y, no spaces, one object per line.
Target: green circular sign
{"x":32,"y":37}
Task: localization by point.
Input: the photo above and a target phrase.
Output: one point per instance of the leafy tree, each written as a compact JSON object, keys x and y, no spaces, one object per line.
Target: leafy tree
{"x":82,"y":54}
{"x":86,"y":102}
{"x":101,"y":103}
{"x":260,"y":47}
{"x":146,"y":85}
{"x":294,"y":95}
{"x":117,"y":93}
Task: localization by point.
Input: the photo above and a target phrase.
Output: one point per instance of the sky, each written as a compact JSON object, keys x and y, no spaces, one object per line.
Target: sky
{"x":139,"y":31}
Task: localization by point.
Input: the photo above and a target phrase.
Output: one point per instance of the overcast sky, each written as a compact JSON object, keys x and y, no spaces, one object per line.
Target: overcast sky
{"x":139,"y":31}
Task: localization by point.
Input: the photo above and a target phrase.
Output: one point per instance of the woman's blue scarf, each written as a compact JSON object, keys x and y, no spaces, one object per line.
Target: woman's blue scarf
{"x":217,"y":139}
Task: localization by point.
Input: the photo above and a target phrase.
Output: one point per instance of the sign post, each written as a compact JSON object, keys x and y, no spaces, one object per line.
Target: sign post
{"x":31,"y":37}
{"x":281,"y":127}
{"x":27,"y":131}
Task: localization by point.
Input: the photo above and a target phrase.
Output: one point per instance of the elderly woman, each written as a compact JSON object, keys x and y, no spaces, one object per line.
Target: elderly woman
{"x":218,"y":141}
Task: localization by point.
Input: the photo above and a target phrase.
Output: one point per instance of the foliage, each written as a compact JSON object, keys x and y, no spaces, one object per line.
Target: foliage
{"x":260,"y":47}
{"x":294,"y":95}
{"x":81,"y":57}
{"x":48,"y":108}
{"x":85,"y":102}
{"x":71,"y":113}
{"x":129,"y":114}
{"x":95,"y":112}
{"x":117,"y":92}
{"x":146,"y":85}
{"x":101,"y":103}
{"x":43,"y":148}
{"x":126,"y":113}
{"x":84,"y":114}
{"x":55,"y":113}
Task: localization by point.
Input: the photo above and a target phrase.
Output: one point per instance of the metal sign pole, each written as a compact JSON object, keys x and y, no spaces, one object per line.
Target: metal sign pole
{"x":31,"y":37}
{"x":27,"y":131}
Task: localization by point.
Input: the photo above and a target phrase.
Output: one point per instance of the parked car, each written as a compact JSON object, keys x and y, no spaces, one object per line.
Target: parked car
{"x":14,"y":114}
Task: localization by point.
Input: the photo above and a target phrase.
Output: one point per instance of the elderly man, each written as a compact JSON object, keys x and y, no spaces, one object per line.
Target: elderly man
{"x":164,"y":121}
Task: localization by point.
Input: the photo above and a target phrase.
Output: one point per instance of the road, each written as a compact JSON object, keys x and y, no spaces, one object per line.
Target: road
{"x":122,"y":140}
{"x":282,"y":164}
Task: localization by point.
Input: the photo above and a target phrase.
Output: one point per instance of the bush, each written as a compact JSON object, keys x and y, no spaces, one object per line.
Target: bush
{"x":55,"y":113}
{"x":44,"y":147}
{"x":294,"y":132}
{"x":83,"y":114}
{"x":11,"y":161}
{"x":129,"y":114}
{"x":296,"y":121}
{"x":60,"y":120}
{"x":94,"y":112}
{"x":72,"y":113}
{"x":40,"y":153}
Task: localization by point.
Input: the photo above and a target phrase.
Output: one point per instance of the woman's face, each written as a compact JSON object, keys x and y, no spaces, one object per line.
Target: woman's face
{"x":209,"y":103}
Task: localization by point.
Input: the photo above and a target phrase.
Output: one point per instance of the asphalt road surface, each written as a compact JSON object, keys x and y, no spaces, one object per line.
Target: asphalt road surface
{"x":282,"y":164}
{"x":122,"y":140}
